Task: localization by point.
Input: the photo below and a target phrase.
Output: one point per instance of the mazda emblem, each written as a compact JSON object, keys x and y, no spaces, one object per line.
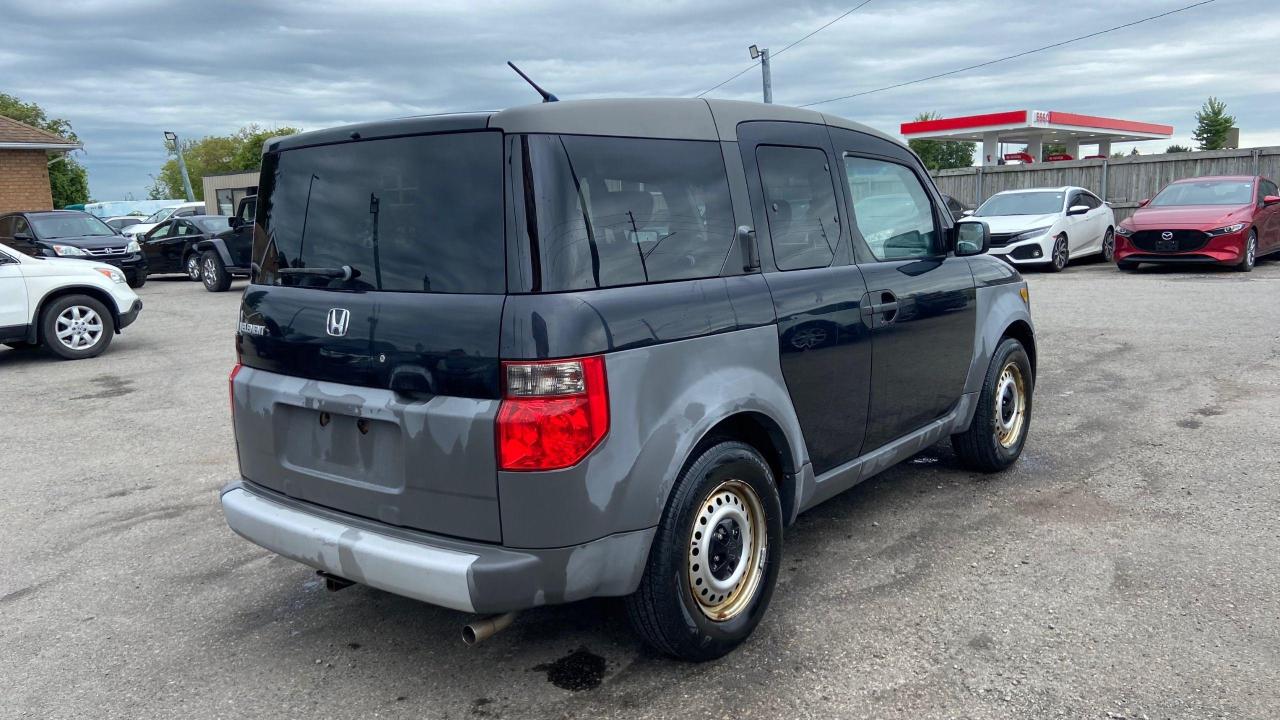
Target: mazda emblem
{"x":1166,"y":235}
{"x":337,"y":322}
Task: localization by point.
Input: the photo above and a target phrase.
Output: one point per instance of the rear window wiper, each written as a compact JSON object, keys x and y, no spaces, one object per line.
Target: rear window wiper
{"x":346,"y":272}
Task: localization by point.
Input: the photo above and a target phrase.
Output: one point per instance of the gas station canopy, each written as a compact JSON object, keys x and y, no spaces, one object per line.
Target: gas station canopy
{"x":1035,"y":128}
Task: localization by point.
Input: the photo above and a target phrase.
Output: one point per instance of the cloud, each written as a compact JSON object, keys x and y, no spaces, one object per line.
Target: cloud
{"x":124,"y":71}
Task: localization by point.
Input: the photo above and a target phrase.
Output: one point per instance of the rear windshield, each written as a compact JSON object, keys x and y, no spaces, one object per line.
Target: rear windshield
{"x":1027,"y":203}
{"x":412,"y":214}
{"x":603,"y":211}
{"x":1210,"y":192}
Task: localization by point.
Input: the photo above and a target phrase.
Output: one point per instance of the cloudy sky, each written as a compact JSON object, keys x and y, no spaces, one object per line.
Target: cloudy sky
{"x":123,"y":71}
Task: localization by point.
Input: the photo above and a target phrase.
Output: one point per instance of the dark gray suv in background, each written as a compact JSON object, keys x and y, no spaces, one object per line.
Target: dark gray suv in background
{"x":604,"y":348}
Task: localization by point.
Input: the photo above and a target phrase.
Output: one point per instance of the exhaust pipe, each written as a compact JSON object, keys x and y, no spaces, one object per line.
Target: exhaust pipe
{"x":486,"y":627}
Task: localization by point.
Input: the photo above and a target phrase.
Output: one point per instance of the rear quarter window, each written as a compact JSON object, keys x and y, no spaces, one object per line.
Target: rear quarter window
{"x":604,"y":212}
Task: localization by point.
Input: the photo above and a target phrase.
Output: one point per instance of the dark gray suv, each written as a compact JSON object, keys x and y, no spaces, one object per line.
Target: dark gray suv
{"x":604,"y":348}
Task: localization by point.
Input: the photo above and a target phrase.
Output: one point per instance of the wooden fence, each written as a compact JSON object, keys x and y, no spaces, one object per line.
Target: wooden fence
{"x":1122,"y":182}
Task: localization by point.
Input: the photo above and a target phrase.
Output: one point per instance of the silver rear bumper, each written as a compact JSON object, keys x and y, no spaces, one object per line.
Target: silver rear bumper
{"x":431,"y":574}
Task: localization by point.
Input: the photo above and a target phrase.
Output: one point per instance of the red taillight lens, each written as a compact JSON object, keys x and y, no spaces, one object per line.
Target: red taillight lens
{"x":231,"y":385}
{"x":553,"y":413}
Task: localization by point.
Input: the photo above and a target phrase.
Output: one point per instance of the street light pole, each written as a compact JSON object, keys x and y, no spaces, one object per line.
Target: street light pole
{"x":763,"y":56}
{"x":182,"y":164}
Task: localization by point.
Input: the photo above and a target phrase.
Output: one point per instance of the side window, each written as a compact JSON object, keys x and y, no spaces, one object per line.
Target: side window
{"x":247,"y":210}
{"x":1090,"y":201}
{"x":163,"y":231}
{"x":891,"y":210}
{"x":6,"y":227}
{"x":604,"y":211}
{"x":186,"y":228}
{"x":21,"y":226}
{"x":800,"y":201}
{"x":1265,"y":188}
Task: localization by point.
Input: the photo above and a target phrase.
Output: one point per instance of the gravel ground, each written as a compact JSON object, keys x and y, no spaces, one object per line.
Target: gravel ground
{"x":1127,"y":567}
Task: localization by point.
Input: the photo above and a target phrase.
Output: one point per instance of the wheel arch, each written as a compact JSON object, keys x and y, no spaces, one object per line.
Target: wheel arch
{"x":765,"y":434}
{"x":102,"y":296}
{"x":1021,"y":331}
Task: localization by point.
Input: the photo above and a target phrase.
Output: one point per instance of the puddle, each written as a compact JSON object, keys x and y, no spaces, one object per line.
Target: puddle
{"x":579,"y":670}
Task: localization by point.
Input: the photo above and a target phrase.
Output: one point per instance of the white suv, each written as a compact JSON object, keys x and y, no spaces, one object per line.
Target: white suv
{"x":72,"y":307}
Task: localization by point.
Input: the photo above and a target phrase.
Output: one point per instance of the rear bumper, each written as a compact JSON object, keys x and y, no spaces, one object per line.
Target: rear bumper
{"x":465,"y":576}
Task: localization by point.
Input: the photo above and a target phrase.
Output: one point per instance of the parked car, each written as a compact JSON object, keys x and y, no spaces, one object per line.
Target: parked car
{"x":227,"y":254}
{"x":163,"y":214}
{"x":170,"y":247}
{"x":1049,"y":227}
{"x":71,"y":307}
{"x":122,"y":222}
{"x":494,"y":361}
{"x":1228,"y":220}
{"x":73,"y":234}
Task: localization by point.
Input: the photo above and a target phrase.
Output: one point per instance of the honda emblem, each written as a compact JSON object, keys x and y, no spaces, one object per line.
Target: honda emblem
{"x":338,"y":321}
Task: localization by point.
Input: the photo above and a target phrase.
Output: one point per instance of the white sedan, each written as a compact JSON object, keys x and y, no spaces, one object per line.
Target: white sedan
{"x":1049,"y":226}
{"x":137,"y":230}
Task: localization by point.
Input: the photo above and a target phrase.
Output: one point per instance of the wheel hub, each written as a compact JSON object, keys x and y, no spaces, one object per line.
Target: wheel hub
{"x":727,"y":550}
{"x":1011,"y":405}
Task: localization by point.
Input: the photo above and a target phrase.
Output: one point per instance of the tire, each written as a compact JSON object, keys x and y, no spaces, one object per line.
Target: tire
{"x":1109,"y":246}
{"x":139,"y":279}
{"x":1126,"y":266}
{"x":1002,"y":419}
{"x":730,"y":489}
{"x":191,"y":266}
{"x":1061,"y":254}
{"x":1250,"y":257}
{"x":213,"y":273}
{"x":75,"y":327}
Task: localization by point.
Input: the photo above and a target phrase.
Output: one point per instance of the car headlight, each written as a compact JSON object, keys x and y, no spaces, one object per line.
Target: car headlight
{"x":112,"y":273}
{"x":1226,"y":230}
{"x":133,"y":247}
{"x":1029,"y":234}
{"x":68,"y":251}
{"x":1123,"y":231}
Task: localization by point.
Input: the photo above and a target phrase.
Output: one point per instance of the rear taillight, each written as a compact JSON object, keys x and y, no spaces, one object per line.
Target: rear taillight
{"x":553,"y":413}
{"x":231,"y":385}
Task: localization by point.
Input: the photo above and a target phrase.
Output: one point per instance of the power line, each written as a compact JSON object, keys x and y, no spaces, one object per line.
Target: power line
{"x":753,"y":65}
{"x":1010,"y":57}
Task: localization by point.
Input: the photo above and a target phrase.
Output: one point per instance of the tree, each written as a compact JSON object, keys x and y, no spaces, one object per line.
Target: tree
{"x":940,"y":154}
{"x":1212,"y":125}
{"x":68,"y":180}
{"x":238,"y":152}
{"x":1052,"y":149}
{"x":1177,"y":149}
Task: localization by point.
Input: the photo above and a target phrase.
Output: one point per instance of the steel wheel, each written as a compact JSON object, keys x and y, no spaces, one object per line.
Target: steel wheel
{"x":79,"y":327}
{"x":193,"y":267}
{"x":727,"y":550}
{"x":1010,"y":405}
{"x":1109,"y":246}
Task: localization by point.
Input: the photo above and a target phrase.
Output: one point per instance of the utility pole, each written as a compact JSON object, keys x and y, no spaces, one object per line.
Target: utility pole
{"x":182,"y":164}
{"x":763,"y":56}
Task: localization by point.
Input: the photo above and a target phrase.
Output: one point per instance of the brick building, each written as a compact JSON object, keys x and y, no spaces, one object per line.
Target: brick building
{"x":24,"y":165}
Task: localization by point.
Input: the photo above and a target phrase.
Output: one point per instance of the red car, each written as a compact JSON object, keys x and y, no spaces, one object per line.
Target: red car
{"x":1228,"y":220}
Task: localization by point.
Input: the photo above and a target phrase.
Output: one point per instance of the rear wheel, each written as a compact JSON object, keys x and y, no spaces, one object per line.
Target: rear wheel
{"x":214,"y":273}
{"x":192,"y":266}
{"x":1058,"y":260}
{"x":1002,"y":419}
{"x":76,"y":327}
{"x":1250,"y":257}
{"x":1109,"y":246}
{"x":715,"y":557}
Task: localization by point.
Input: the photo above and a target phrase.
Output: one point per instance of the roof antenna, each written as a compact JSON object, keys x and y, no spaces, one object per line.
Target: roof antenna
{"x":546,"y":96}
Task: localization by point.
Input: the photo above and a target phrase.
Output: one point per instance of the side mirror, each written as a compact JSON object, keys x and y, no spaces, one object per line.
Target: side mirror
{"x":1270,"y":200}
{"x":235,"y":221}
{"x":1077,"y":209}
{"x":1143,"y":202}
{"x":966,"y":213}
{"x":23,"y":238}
{"x":972,"y":237}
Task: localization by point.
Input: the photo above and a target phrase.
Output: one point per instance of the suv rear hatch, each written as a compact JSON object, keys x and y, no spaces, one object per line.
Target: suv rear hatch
{"x":371,"y":330}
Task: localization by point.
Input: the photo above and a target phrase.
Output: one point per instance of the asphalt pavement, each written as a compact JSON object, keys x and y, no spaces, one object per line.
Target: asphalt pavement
{"x":1127,"y":567}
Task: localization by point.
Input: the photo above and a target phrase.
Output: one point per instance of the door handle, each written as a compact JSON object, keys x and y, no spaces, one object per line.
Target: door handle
{"x":887,"y":308}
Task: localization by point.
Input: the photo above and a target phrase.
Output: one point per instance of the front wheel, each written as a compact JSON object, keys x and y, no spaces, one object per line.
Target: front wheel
{"x":1250,"y":257}
{"x":75,"y":327}
{"x":714,"y":559}
{"x":139,"y":279}
{"x":214,"y":273}
{"x":1058,"y":260}
{"x":1109,"y":246}
{"x":1000,"y":424}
